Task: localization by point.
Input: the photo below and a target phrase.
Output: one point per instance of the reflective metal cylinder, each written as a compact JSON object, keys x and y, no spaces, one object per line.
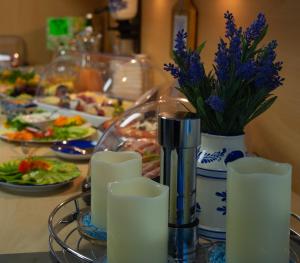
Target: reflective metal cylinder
{"x":179,"y":137}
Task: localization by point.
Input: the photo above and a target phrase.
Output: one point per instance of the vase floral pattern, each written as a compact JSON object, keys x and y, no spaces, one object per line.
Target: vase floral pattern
{"x":214,"y":154}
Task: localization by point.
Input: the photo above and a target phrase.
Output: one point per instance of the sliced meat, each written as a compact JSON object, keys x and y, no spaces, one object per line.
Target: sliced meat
{"x":153,"y":174}
{"x":153,"y":148}
{"x":149,"y":166}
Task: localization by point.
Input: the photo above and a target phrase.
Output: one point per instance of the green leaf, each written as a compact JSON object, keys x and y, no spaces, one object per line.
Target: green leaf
{"x":200,"y":47}
{"x":263,"y":107}
{"x":219,"y":117}
{"x":259,"y":39}
{"x":200,"y":106}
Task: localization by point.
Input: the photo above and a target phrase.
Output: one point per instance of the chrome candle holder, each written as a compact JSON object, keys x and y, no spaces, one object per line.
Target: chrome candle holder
{"x":179,"y":137}
{"x":67,"y":243}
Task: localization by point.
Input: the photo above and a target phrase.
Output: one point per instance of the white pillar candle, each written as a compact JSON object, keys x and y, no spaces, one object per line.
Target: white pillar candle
{"x":258,"y":211}
{"x":137,"y":221}
{"x":107,"y":167}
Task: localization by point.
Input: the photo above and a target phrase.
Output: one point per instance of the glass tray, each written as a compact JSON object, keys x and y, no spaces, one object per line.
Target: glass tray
{"x":67,"y":244}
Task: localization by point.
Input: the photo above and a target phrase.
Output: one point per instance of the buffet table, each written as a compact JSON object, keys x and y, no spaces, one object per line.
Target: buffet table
{"x":24,"y":216}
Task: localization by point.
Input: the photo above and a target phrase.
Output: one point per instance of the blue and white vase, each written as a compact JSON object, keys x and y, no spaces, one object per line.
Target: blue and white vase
{"x":214,"y":154}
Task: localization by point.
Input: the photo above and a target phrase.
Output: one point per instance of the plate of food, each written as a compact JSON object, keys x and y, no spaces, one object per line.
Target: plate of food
{"x":36,"y":119}
{"x":34,"y":174}
{"x":92,"y":103}
{"x":139,"y":129}
{"x":13,"y":107}
{"x":62,"y":128}
{"x":79,"y":150}
{"x":19,"y":83}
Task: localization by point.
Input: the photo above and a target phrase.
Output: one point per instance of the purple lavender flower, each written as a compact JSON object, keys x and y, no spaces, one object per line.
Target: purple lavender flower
{"x":191,"y":70}
{"x":180,"y":42}
{"x":172,"y":69}
{"x":267,"y":73}
{"x":216,"y":103}
{"x":255,"y":30}
{"x":272,"y":46}
{"x":116,"y":5}
{"x":196,"y":69}
{"x":230,"y":25}
{"x":244,"y":71}
{"x":229,"y":57}
{"x":235,"y":50}
{"x":222,"y":61}
{"x":247,"y":70}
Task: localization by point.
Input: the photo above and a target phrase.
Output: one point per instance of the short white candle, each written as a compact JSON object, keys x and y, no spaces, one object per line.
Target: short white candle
{"x":137,"y":228}
{"x":258,"y":211}
{"x":107,"y":167}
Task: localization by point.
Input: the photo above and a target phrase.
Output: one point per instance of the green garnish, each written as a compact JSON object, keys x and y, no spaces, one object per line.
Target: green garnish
{"x":58,"y":172}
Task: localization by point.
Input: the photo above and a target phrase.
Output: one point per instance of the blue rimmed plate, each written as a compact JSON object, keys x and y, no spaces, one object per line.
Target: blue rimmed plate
{"x":74,"y":150}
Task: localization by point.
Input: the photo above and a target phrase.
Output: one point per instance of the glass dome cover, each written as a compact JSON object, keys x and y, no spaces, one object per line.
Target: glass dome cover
{"x":132,"y":78}
{"x":59,"y":75}
{"x":136,"y":130}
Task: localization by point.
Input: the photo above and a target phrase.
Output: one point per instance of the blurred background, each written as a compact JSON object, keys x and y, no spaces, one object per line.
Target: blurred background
{"x":33,"y":29}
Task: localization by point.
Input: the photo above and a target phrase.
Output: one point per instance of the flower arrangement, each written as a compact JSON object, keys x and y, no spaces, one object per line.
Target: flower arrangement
{"x":239,"y":88}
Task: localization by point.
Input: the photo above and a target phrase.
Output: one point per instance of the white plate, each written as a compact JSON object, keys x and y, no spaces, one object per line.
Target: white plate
{"x":93,"y":119}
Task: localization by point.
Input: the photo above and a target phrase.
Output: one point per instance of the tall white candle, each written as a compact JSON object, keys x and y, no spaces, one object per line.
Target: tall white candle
{"x":137,"y":221}
{"x":107,"y":167}
{"x":258,"y":211}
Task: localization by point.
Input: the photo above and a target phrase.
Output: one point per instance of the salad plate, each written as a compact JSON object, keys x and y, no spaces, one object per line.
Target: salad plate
{"x":71,"y":133}
{"x":36,"y":174}
{"x":62,"y":128}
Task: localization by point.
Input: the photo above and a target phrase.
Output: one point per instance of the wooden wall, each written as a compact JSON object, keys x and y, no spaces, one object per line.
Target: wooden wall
{"x":27,"y":18}
{"x":276,"y":134}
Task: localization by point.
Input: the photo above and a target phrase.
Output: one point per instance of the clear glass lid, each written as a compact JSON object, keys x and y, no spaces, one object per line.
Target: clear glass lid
{"x":59,"y":75}
{"x":132,"y":78}
{"x":136,"y":130}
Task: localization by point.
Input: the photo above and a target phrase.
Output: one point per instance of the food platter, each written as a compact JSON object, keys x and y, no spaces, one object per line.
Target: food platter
{"x":90,"y":131}
{"x":36,"y":174}
{"x":93,"y":119}
{"x":93,"y":106}
{"x":45,"y":127}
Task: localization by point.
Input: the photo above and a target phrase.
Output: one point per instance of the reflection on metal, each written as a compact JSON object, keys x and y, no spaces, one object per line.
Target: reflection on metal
{"x":179,"y":137}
